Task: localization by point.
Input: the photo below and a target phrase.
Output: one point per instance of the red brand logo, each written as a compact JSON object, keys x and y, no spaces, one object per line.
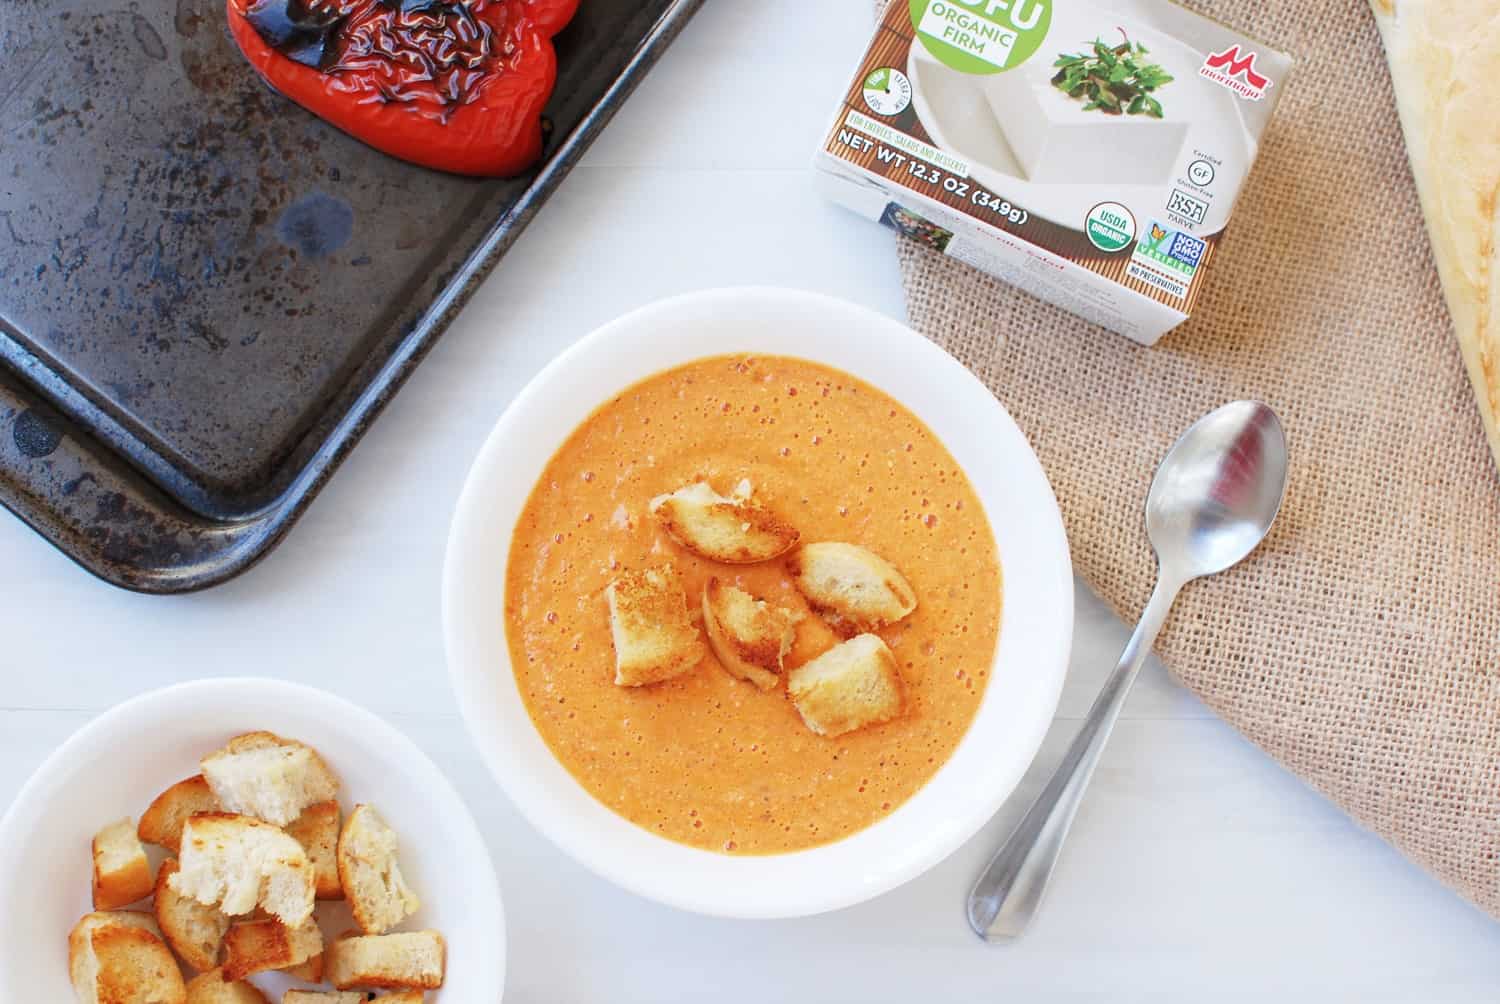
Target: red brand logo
{"x":1237,"y":72}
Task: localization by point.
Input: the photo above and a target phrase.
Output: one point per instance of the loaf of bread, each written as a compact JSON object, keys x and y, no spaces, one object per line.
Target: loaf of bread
{"x":1444,"y":56}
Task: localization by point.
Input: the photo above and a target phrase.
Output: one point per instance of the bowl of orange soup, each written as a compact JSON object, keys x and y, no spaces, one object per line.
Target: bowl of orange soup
{"x":913,"y":581}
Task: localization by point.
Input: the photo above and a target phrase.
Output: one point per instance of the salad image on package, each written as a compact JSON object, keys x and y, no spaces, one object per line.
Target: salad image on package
{"x":1115,"y":79}
{"x":1090,"y":153}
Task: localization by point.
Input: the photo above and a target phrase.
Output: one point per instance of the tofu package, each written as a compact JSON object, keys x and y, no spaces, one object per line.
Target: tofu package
{"x":1089,"y":152}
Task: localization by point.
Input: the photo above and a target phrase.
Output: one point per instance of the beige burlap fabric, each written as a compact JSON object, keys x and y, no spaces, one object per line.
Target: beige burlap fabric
{"x":1361,"y":646}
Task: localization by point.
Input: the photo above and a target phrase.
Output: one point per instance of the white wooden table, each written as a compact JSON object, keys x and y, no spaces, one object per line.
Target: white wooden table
{"x":1198,"y":870}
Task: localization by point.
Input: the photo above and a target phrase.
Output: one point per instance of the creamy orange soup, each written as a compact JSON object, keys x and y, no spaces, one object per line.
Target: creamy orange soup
{"x":707,"y":759}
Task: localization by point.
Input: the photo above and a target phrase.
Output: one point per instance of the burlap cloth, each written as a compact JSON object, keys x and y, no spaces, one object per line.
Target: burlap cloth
{"x":1360,"y":646}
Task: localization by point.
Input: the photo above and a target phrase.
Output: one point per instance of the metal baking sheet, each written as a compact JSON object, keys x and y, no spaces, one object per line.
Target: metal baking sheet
{"x":206,"y":293}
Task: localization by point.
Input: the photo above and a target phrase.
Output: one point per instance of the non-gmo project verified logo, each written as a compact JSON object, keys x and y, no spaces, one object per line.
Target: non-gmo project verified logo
{"x":1235,"y":70}
{"x":1180,"y":251}
{"x":1166,"y":260}
{"x":1187,"y":248}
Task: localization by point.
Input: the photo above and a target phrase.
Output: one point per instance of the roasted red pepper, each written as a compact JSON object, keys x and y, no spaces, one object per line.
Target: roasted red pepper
{"x":456,"y":85}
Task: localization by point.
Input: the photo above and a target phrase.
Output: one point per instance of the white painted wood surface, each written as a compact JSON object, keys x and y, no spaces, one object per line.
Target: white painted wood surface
{"x":1198,"y":870}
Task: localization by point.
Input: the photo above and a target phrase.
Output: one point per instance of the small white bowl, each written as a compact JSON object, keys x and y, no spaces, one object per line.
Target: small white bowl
{"x":1036,"y":623}
{"x":115,"y":765}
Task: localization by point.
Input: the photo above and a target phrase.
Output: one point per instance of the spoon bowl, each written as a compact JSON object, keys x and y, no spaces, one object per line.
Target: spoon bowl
{"x":1217,"y":491}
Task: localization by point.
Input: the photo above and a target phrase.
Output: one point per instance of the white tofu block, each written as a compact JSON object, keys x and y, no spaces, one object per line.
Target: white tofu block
{"x":1056,"y":142}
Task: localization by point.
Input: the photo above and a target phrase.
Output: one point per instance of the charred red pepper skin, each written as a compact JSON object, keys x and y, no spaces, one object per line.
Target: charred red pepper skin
{"x":497,"y":134}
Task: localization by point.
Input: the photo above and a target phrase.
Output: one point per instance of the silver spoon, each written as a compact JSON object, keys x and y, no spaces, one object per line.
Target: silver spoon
{"x":1213,"y":501}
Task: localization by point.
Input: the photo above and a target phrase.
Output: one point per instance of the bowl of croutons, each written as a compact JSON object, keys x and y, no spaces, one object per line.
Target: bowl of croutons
{"x":757,"y":603}
{"x":246,"y":841}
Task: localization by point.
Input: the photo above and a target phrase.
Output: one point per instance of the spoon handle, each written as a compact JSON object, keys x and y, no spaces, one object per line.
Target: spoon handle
{"x":1010,"y":888}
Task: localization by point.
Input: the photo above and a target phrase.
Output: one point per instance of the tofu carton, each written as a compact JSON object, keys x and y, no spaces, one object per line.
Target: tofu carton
{"x":1089,"y":152}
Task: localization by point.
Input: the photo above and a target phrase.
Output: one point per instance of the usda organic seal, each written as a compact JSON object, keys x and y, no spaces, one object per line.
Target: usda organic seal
{"x":1110,"y":227}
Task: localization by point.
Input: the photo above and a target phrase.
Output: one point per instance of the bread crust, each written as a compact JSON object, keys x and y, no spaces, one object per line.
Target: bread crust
{"x":161,"y":823}
{"x":1444,"y":56}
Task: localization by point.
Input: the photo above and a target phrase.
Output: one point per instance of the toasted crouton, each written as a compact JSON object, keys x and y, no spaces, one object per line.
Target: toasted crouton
{"x":749,"y":637}
{"x":80,"y":939}
{"x":735,"y":530}
{"x":270,"y":778}
{"x":258,"y":946}
{"x":310,"y":971}
{"x":161,"y":824}
{"x":413,"y":960}
{"x":91,"y":922}
{"x":122,"y":874}
{"x":236,"y":862}
{"x":213,"y":988}
{"x":317,"y":830}
{"x":648,"y":617}
{"x":194,"y":931}
{"x":854,"y":589}
{"x":370,"y":873}
{"x":401,"y":997}
{"x":848,"y":687}
{"x":116,"y":958}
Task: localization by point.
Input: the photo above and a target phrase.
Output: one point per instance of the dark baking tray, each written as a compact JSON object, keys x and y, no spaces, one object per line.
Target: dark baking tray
{"x":206,"y":294}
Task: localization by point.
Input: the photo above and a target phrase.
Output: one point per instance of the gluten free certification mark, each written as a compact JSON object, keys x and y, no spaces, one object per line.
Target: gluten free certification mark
{"x":1188,"y":201}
